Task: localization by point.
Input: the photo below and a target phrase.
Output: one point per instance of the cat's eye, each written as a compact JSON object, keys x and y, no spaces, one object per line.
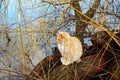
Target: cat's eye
{"x":61,"y":36}
{"x":58,"y":39}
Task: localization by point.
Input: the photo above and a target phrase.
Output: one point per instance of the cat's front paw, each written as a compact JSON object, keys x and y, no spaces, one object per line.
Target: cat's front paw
{"x":64,"y":61}
{"x":78,"y":60}
{"x":67,"y":63}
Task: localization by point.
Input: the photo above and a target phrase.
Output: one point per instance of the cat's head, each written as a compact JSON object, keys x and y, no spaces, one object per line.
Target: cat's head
{"x":62,"y":37}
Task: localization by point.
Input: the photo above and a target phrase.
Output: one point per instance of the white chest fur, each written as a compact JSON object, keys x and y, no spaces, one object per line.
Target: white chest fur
{"x":61,"y":48}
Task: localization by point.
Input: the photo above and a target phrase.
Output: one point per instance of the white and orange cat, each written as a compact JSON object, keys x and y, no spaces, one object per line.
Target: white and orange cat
{"x":69,"y":47}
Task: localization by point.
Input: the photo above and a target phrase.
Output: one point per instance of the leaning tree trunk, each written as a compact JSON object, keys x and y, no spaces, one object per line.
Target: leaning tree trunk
{"x":80,"y":25}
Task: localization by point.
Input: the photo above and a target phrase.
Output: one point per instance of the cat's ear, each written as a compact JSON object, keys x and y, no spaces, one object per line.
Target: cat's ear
{"x":61,"y":34}
{"x":67,"y":33}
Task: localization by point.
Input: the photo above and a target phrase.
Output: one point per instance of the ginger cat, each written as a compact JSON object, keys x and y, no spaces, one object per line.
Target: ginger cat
{"x":69,"y":47}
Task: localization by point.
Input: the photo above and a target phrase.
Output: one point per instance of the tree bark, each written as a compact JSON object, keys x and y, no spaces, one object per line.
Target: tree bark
{"x":80,"y":25}
{"x":52,"y":69}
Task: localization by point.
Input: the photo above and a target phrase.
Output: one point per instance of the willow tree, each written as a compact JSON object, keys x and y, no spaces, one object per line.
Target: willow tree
{"x":80,"y":25}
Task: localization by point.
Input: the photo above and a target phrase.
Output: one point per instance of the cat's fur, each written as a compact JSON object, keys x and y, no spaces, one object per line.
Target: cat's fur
{"x":69,"y":47}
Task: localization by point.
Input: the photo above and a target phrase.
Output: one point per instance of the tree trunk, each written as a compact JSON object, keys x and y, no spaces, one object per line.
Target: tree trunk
{"x":80,"y":25}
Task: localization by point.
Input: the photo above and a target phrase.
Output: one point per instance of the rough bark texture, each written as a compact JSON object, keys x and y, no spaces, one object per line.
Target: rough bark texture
{"x":80,"y":25}
{"x":100,"y":62}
